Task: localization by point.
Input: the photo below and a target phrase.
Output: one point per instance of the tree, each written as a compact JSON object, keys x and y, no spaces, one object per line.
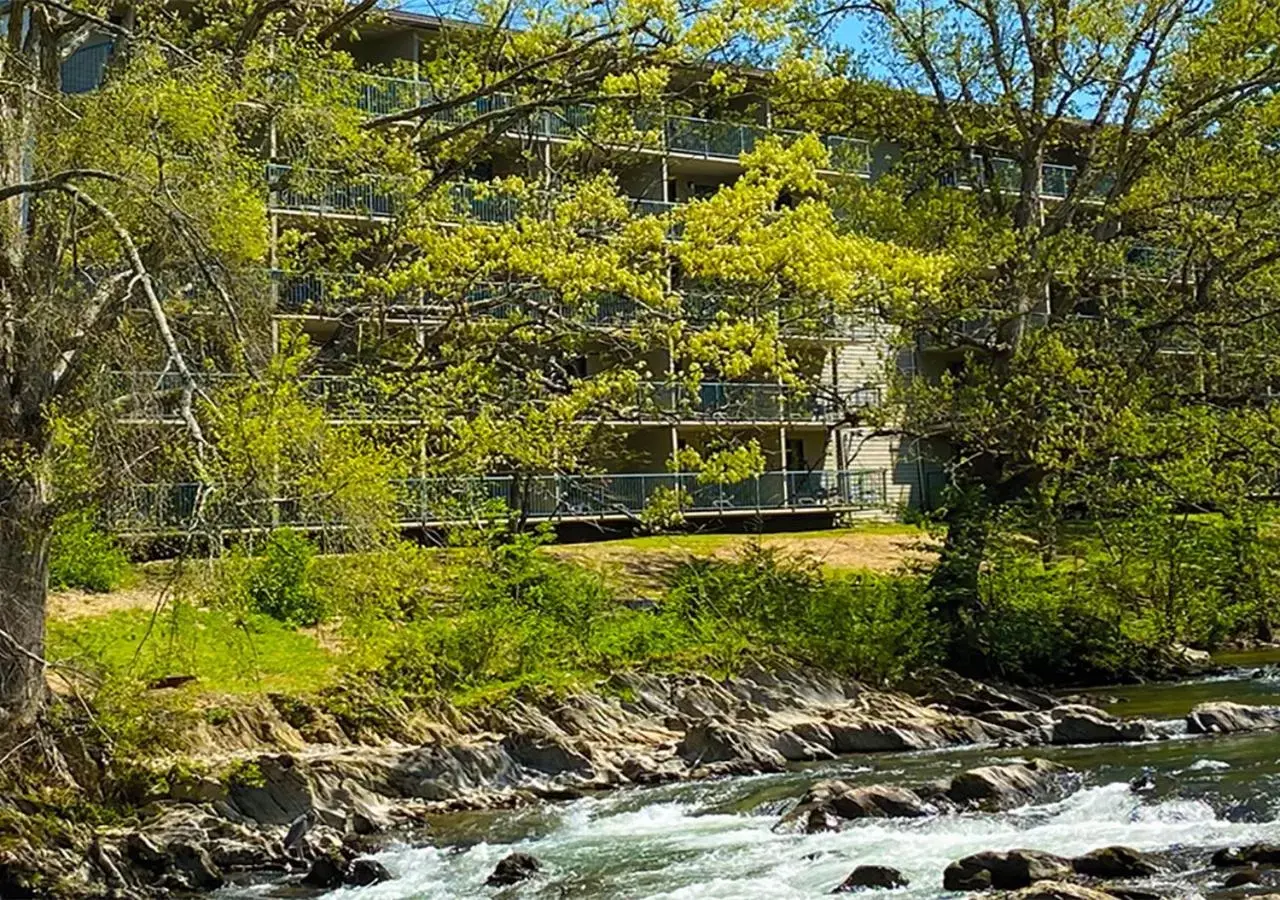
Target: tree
{"x":136,"y":238}
{"x":1103,"y":175}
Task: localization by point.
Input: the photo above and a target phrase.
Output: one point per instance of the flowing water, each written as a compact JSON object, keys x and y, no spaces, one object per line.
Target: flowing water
{"x":714,"y":840}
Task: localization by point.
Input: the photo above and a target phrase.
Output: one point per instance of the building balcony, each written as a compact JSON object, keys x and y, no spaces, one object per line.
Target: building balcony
{"x":339,"y":293}
{"x":713,"y":402}
{"x":161,"y":508}
{"x":82,"y":71}
{"x":330,"y":193}
{"x":367,"y":196}
{"x":1006,"y":177}
{"x":628,"y":494}
{"x":156,"y":397}
{"x":381,"y":95}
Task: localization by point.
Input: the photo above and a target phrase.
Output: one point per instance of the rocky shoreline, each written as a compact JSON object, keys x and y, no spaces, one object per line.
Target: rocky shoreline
{"x":636,"y":730}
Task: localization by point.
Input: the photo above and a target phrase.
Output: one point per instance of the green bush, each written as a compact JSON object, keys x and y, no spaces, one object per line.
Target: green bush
{"x":1053,"y":626}
{"x":280,"y":583}
{"x":511,"y":573}
{"x":83,"y":556}
{"x":1124,"y":595}
{"x":874,"y":627}
{"x":400,"y":581}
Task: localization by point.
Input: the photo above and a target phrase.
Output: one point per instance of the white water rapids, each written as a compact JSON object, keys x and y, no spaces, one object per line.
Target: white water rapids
{"x":615,"y":848}
{"x":715,"y":840}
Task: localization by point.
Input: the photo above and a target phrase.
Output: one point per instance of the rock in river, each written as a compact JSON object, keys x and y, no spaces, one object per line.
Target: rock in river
{"x":865,"y":877}
{"x":1077,"y":724}
{"x":513,"y":869}
{"x":1008,"y":870}
{"x":1005,"y":787}
{"x":326,"y":871}
{"x":1249,"y":855}
{"x":1115,"y":862}
{"x":1060,"y":890}
{"x":364,"y":872}
{"x":718,"y":740}
{"x":1222,"y":717}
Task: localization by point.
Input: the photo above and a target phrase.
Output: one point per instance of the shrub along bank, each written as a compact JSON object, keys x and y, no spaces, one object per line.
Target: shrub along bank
{"x":494,"y":613}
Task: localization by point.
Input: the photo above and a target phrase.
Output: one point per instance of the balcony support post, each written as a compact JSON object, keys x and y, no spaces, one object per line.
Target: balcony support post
{"x":786,"y":465}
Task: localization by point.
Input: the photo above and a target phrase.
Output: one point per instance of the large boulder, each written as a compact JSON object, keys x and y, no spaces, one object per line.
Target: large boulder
{"x":1134,"y":892}
{"x":194,"y":866}
{"x":1263,"y":854}
{"x":1007,"y":870}
{"x":1078,"y":724}
{"x":512,"y":869}
{"x":965,"y":695}
{"x":1242,"y":877}
{"x":327,"y":871}
{"x":1222,"y":717}
{"x":276,"y":792}
{"x":1031,"y":727}
{"x":1115,"y":862}
{"x":717,"y":740}
{"x":1005,"y":787}
{"x":545,"y":753}
{"x":878,"y":801}
{"x":796,"y":748}
{"x":820,"y":819}
{"x":363,"y":872}
{"x":857,"y":735}
{"x":143,"y":851}
{"x":872,"y":877}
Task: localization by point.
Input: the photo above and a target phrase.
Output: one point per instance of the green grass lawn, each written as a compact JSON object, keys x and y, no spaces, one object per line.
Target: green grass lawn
{"x":224,"y":655}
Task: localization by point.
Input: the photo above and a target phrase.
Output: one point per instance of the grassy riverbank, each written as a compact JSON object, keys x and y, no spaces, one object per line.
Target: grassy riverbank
{"x":500,"y":614}
{"x":474,"y":623}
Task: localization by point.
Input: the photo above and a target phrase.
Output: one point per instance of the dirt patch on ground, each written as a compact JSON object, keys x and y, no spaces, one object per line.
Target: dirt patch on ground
{"x":72,"y":604}
{"x":873,"y":552}
{"x":644,"y":569}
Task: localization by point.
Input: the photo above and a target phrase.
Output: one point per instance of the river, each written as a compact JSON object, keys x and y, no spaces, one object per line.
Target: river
{"x":714,"y":840}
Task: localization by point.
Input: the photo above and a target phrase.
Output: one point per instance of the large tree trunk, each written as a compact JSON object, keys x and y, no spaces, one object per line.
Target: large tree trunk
{"x":24,"y":559}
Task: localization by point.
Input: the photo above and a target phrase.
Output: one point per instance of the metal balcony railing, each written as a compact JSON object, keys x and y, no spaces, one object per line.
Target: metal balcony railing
{"x":728,"y":402}
{"x":733,"y":401}
{"x":315,"y":292}
{"x":714,"y":138}
{"x":381,"y":95}
{"x":846,"y":154}
{"x":327,"y":192}
{"x":644,"y":206}
{"x":704,"y":305}
{"x":378,"y":196}
{"x":323,"y":293}
{"x":331,"y":293}
{"x":1055,"y":180}
{"x":428,"y":501}
{"x":1152,"y":261}
{"x":157,"y":396}
{"x":482,"y":204}
{"x":1006,"y":176}
{"x":711,"y":137}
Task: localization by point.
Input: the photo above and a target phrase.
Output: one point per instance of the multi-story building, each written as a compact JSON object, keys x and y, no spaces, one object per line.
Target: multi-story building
{"x":820,"y":459}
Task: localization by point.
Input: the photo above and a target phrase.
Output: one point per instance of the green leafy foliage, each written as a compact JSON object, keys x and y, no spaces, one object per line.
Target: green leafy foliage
{"x":280,"y":583}
{"x":82,"y":555}
{"x":874,"y":627}
{"x":1120,"y":595}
